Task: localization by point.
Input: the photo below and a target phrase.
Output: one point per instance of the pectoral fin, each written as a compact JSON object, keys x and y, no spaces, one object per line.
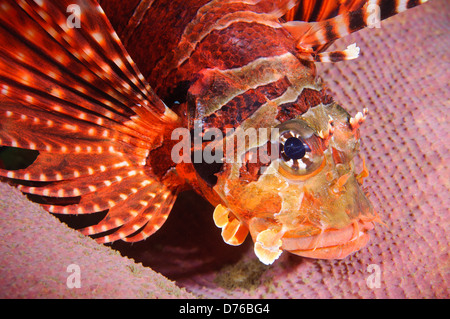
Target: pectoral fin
{"x":233,"y":231}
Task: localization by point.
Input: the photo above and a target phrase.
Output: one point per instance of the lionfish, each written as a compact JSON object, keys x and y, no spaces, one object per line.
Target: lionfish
{"x":110,"y":126}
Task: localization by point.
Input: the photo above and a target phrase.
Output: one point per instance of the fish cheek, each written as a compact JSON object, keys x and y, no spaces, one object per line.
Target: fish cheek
{"x":248,"y":200}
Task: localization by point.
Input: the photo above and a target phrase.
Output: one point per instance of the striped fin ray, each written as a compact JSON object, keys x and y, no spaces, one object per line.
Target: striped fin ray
{"x":93,"y":42}
{"x":319,"y":10}
{"x":85,"y":184}
{"x":64,"y":116}
{"x":131,"y":216}
{"x":62,"y":63}
{"x":124,"y":212}
{"x":22,"y":54}
{"x":17,"y":119}
{"x":75,"y":95}
{"x":43,"y":141}
{"x":50,"y":167}
{"x":19,"y":130}
{"x":104,"y":198}
{"x":153,"y":219}
{"x":327,"y":21}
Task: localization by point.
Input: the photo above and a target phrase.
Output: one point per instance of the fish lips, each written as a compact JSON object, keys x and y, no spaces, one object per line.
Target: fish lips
{"x":330,"y":243}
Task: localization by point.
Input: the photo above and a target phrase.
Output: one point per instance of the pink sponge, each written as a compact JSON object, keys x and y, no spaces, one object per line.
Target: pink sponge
{"x":37,"y":251}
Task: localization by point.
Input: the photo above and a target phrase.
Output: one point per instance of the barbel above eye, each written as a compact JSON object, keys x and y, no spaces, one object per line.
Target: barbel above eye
{"x":301,"y":155}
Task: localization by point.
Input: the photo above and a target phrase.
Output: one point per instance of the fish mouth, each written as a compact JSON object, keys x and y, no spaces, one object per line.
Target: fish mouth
{"x":330,"y":243}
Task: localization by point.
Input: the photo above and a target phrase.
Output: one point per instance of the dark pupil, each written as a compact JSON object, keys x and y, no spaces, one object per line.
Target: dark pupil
{"x":294,"y":148}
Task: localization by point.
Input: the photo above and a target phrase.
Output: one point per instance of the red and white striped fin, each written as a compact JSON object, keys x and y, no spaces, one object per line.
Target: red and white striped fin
{"x":75,"y":95}
{"x":62,"y":120}
{"x":106,"y":197}
{"x":145,"y":216}
{"x":93,"y":43}
{"x":314,"y":37}
{"x":65,"y":139}
{"x":352,"y":52}
{"x":83,"y":185}
{"x":77,"y":69}
{"x":152,"y":219}
{"x":319,"y":10}
{"x":49,"y":167}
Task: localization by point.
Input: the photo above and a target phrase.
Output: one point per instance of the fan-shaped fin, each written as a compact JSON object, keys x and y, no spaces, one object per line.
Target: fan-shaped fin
{"x":233,"y":231}
{"x":131,"y":215}
{"x":135,"y":220}
{"x":74,"y":94}
{"x":50,"y":167}
{"x":105,"y":198}
{"x":153,"y":219}
{"x":83,"y":185}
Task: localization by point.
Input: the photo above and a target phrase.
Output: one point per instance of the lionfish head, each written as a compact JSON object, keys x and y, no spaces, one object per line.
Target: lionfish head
{"x":294,"y":188}
{"x":297,"y":189}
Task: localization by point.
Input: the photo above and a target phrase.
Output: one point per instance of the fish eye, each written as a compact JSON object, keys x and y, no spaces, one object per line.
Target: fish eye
{"x":293,"y":147}
{"x":301,"y":153}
